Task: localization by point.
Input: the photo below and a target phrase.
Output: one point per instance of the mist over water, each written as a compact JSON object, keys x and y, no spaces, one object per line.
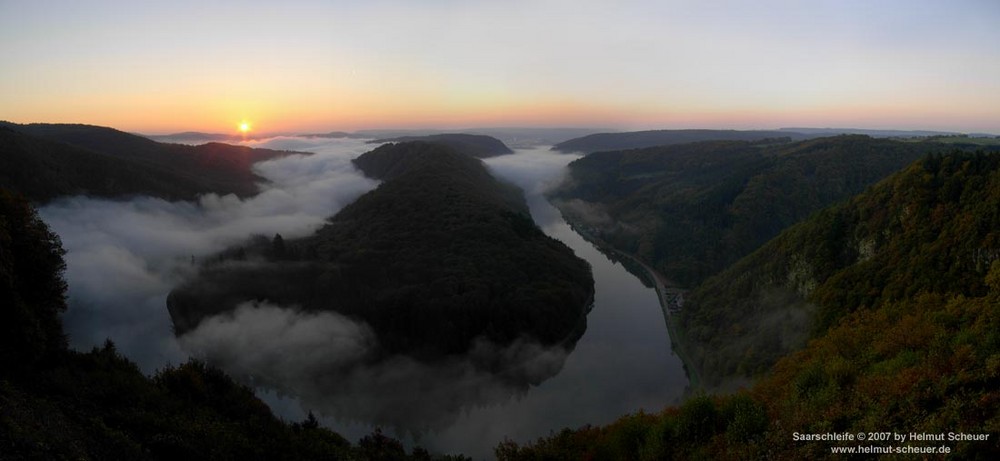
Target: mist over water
{"x":124,"y":257}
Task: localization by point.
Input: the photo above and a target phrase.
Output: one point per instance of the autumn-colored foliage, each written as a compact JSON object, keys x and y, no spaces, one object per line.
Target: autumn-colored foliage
{"x":906,"y":338}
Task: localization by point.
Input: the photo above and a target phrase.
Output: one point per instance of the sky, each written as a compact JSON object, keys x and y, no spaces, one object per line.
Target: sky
{"x":306,"y":66}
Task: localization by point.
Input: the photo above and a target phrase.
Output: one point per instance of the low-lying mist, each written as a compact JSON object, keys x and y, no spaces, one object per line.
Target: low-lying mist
{"x":124,"y":257}
{"x":326,"y":361}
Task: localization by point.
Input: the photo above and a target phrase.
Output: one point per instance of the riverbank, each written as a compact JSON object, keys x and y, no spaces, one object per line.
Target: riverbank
{"x":670,"y":296}
{"x":671,"y":300}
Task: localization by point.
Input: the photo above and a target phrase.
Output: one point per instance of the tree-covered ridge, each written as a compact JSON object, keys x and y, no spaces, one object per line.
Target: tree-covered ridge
{"x":691,"y":210}
{"x":905,"y":280}
{"x":60,"y":404}
{"x":44,"y":161}
{"x":652,"y":138}
{"x":473,"y":145}
{"x":439,"y":255}
{"x":44,"y":170}
{"x":931,"y":228}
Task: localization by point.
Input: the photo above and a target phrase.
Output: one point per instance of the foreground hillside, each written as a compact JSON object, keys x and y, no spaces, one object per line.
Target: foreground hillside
{"x":44,"y":161}
{"x":901,"y":289}
{"x":931,"y":229}
{"x":60,"y":404}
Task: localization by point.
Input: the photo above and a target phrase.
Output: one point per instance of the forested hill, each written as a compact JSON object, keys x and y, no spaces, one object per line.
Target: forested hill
{"x":43,"y":170}
{"x":391,"y":161}
{"x":933,"y":228}
{"x":900,"y":288}
{"x":49,"y":160}
{"x":474,"y":145}
{"x":691,"y":210}
{"x":640,"y":139}
{"x":60,"y":404}
{"x":435,"y":257}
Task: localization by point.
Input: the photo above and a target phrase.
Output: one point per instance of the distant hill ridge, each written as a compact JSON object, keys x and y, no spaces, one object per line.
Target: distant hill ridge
{"x":50,"y":160}
{"x":473,"y":145}
{"x":866,"y":132}
{"x":641,"y":139}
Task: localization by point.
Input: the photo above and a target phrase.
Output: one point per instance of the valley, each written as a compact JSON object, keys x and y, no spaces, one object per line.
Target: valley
{"x":249,"y":305}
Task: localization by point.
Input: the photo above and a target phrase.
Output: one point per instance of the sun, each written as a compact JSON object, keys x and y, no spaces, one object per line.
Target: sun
{"x":244,"y":127}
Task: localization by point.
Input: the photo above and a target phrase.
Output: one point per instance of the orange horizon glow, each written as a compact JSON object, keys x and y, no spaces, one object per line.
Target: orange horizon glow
{"x":350,"y":109}
{"x":538,"y":113}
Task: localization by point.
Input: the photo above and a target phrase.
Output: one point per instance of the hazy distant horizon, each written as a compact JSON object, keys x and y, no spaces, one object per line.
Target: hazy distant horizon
{"x":378,"y":131}
{"x":608,"y":129}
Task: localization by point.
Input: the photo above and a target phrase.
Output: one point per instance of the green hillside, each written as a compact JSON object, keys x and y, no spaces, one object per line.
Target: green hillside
{"x":691,"y":210}
{"x":932,"y":228}
{"x":900,"y":289}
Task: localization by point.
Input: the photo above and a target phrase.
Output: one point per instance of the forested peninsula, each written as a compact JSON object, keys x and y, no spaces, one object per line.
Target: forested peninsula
{"x":437,"y":256}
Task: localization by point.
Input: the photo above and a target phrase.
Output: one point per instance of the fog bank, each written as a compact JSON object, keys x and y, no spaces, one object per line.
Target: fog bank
{"x":123,"y":257}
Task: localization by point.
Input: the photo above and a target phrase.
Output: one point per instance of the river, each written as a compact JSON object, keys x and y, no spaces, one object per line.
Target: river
{"x":123,"y":257}
{"x":622,"y":364}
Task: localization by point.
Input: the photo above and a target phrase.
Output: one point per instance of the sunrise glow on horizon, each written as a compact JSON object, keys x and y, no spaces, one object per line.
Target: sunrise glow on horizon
{"x":307,"y":66}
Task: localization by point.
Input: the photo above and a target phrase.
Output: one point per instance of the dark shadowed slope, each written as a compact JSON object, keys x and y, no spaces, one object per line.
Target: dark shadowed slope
{"x":691,"y":210}
{"x":640,"y":139}
{"x":473,"y":145}
{"x":213,"y":167}
{"x":60,"y":404}
{"x":43,"y":170}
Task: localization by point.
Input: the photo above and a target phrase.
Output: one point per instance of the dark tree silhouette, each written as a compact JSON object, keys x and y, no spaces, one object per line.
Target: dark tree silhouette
{"x":32,"y":288}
